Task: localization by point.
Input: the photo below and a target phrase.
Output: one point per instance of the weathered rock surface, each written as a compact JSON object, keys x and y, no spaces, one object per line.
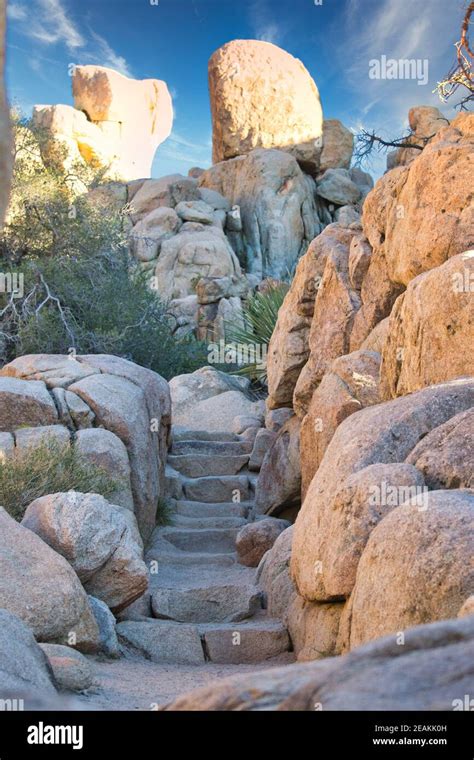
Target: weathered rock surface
{"x":428,"y":332}
{"x":416,"y":567}
{"x":289,"y":347}
{"x":445,"y":456}
{"x":338,"y":145}
{"x":124,"y":577}
{"x":104,"y":449}
{"x":133,"y":116}
{"x":416,"y":218}
{"x":188,"y":256}
{"x":47,"y":435}
{"x":41,"y":588}
{"x":164,"y":192}
{"x":84,"y":528}
{"x":149,"y":233}
{"x":425,"y":122}
{"x":361,"y":502}
{"x":262,"y":97}
{"x":279,"y":481}
{"x":22,"y":663}
{"x":108,"y":641}
{"x":432,"y":671}
{"x":336,"y":186}
{"x":163,"y":642}
{"x":274,"y":575}
{"x":25,"y":403}
{"x":313,"y":628}
{"x":277,"y":209}
{"x":71,"y":670}
{"x":335,"y":308}
{"x":351,"y":384}
{"x":385,"y":433}
{"x":255,"y":539}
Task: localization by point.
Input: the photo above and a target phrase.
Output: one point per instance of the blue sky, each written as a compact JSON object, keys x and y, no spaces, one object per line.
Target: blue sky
{"x":173,"y":40}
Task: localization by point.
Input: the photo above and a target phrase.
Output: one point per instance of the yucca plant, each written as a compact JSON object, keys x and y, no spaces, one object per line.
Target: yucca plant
{"x":254,"y":331}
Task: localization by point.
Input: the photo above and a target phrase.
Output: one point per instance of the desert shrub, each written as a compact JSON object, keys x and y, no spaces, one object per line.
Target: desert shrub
{"x":81,"y":289}
{"x":27,"y":474}
{"x":97,"y":304}
{"x":260,"y":314}
{"x":164,"y":513}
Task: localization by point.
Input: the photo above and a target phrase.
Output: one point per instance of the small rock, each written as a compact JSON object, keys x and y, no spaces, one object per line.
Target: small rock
{"x":255,"y":539}
{"x":71,"y":669}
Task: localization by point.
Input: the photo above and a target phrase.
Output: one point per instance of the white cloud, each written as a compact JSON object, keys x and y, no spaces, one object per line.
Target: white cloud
{"x":262,"y":20}
{"x":16,"y":12}
{"x":104,"y":55}
{"x":49,"y":23}
{"x":398,"y":29}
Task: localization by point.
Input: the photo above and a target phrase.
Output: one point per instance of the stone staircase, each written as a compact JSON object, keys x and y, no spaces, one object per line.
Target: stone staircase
{"x":206,"y":606}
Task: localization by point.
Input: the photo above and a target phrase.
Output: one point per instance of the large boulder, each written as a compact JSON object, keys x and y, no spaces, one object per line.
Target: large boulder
{"x":336,"y":186}
{"x":336,"y":306}
{"x":210,"y":400}
{"x":432,"y":671}
{"x":279,"y":481}
{"x":415,"y":218}
{"x":288,"y":350}
{"x":351,"y":384}
{"x":425,"y":122}
{"x":190,"y":255}
{"x":416,"y":568}
{"x":165,"y":192}
{"x":134,"y":116}
{"x":360,"y":503}
{"x":84,"y":528}
{"x":384,"y":433}
{"x":39,"y":586}
{"x":262,"y":97}
{"x":277,"y":209}
{"x":22,"y":663}
{"x":428,"y":332}
{"x":338,"y":145}
{"x":445,"y":455}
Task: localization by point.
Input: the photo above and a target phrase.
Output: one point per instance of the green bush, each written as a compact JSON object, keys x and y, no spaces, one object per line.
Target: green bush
{"x":27,"y":474}
{"x":82,"y":289}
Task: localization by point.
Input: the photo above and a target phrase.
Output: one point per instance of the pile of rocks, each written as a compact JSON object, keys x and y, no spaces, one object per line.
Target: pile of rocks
{"x":76,"y":560}
{"x":209,"y":239}
{"x":370,"y":354}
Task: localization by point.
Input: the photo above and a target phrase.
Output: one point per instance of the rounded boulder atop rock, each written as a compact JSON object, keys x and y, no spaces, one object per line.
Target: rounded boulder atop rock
{"x":263,"y":97}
